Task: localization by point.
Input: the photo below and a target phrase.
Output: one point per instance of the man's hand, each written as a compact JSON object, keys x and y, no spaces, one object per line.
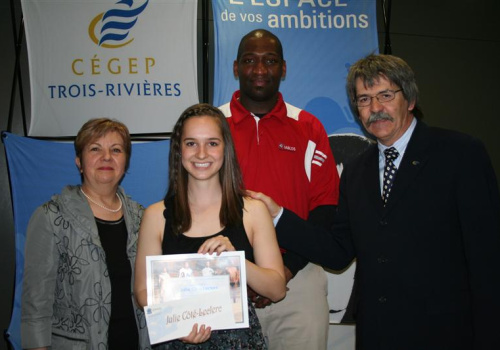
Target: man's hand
{"x":261,"y":302}
{"x":272,"y":206}
{"x":288,"y":275}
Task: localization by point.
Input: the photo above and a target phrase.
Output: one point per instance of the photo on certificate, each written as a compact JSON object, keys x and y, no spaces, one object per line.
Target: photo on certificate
{"x":184,"y":289}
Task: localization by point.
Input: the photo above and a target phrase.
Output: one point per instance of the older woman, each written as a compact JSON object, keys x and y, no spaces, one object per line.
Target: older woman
{"x":80,"y":253}
{"x":206,"y":211}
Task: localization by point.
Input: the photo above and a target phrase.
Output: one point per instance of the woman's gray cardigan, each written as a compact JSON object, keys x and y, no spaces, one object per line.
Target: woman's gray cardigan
{"x":66,"y":299}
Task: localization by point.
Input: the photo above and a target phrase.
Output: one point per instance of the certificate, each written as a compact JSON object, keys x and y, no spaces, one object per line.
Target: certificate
{"x":184,"y":289}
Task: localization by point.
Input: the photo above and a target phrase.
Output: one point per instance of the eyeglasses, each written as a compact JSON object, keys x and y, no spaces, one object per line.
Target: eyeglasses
{"x":382,"y":97}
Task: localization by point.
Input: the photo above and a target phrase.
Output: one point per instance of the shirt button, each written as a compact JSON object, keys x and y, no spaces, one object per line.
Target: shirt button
{"x":382,"y":259}
{"x":382,"y":300}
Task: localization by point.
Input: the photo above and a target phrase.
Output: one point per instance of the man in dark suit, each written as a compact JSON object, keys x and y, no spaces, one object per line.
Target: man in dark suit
{"x":428,"y":254}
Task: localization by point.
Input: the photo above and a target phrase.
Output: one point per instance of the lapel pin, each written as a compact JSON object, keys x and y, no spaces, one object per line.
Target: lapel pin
{"x":415,"y":162}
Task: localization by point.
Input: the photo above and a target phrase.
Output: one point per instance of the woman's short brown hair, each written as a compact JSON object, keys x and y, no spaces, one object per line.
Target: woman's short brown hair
{"x":96,"y":128}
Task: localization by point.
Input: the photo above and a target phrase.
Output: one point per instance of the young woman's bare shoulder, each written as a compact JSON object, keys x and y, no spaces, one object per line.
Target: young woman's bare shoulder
{"x":253,"y":205}
{"x":155,"y":209}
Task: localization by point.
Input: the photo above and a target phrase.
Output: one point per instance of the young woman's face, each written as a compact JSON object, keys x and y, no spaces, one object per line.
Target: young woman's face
{"x":202,"y":148}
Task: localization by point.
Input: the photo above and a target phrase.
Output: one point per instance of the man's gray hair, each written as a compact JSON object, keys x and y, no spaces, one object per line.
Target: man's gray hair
{"x":371,"y":68}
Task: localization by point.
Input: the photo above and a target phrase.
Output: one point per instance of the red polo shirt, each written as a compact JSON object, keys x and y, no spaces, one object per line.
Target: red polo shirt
{"x":285,"y":155}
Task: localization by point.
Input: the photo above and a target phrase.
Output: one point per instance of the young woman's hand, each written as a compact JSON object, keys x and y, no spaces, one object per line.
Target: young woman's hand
{"x":217,"y":244}
{"x":197,"y":336}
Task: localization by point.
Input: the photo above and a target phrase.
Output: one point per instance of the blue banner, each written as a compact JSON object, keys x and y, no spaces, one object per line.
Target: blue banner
{"x":321,"y":39}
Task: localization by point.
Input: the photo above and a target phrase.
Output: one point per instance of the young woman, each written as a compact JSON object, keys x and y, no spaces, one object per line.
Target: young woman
{"x":206,"y":211}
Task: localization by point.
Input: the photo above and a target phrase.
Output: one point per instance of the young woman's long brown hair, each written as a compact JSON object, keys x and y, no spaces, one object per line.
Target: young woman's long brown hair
{"x":229,"y":175}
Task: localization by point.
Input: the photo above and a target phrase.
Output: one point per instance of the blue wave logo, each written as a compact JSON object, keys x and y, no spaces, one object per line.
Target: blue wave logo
{"x":111,"y":29}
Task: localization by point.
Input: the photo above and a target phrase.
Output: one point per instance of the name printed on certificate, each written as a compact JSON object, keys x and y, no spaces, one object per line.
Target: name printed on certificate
{"x":184,"y":289}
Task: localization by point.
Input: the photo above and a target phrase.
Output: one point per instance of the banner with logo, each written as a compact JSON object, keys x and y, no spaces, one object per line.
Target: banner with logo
{"x":321,"y":39}
{"x":132,"y":60}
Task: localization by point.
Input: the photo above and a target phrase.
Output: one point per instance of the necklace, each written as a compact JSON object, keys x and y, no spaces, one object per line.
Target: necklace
{"x":101,"y":205}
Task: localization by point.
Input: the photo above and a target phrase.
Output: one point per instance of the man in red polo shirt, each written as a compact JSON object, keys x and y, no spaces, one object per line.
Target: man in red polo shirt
{"x":284,"y":152}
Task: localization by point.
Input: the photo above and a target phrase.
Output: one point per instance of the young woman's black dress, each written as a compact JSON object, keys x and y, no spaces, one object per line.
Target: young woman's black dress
{"x":243,"y":338}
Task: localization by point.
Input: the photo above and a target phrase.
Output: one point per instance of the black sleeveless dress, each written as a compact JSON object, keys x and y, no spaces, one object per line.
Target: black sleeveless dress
{"x":243,"y":338}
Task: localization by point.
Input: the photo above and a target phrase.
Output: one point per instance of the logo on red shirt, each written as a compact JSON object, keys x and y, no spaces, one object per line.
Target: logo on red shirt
{"x":287,"y":148}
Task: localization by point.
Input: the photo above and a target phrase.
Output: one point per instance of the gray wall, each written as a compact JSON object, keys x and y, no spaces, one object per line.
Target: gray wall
{"x":453,"y":46}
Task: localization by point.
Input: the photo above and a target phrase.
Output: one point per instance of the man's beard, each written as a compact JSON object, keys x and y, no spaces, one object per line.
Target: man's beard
{"x":378,"y":116}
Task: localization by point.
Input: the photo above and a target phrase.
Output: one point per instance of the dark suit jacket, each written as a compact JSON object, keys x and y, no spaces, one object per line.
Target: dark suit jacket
{"x":428,"y":264}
